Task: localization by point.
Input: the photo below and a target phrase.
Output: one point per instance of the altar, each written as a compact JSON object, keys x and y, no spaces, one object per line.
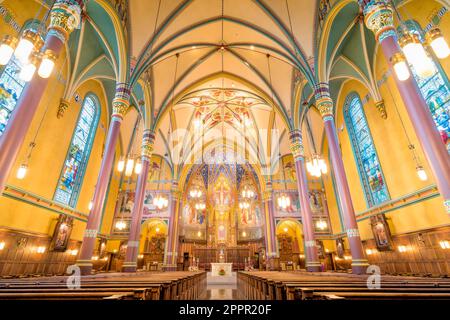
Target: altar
{"x":221,"y":269}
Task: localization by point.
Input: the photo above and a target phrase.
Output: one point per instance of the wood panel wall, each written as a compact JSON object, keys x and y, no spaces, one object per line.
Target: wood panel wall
{"x":424,"y":254}
{"x":20,"y":257}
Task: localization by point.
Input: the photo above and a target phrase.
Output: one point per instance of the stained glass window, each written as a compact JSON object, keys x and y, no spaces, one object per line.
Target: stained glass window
{"x":435,"y":90}
{"x":11,"y":88}
{"x":72,"y":174}
{"x":365,"y":153}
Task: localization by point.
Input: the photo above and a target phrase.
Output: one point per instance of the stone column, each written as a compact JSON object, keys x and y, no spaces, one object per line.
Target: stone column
{"x":172,"y":243}
{"x":130,"y":263}
{"x":271,"y":251}
{"x":120,"y":108}
{"x":65,"y":16}
{"x":379,"y":18}
{"x":312,"y":255}
{"x":325,"y":106}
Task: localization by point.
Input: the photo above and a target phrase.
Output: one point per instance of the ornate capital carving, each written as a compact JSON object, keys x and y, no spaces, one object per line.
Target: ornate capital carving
{"x":63,"y":106}
{"x":65,"y":16}
{"x":323,"y":100}
{"x":121,"y":101}
{"x":379,"y":18}
{"x":297,"y":148}
{"x":381,"y":108}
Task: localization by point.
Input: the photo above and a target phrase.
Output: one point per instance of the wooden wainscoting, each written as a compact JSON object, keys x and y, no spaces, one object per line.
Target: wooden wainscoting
{"x":422,"y":253}
{"x":20,"y":256}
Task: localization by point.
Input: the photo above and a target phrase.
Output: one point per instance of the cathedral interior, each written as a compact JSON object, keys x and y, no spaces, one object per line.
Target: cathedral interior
{"x":231,"y":143}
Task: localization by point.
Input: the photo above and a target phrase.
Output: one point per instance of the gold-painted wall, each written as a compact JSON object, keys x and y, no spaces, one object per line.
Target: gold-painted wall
{"x":389,"y":137}
{"x":52,"y":143}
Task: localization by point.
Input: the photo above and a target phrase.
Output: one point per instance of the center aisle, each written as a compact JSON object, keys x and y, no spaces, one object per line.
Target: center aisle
{"x":221,"y":287}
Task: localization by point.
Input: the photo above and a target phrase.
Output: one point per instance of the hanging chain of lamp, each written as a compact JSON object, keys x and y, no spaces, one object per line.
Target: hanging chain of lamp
{"x":420,"y":170}
{"x":27,"y":50}
{"x":414,"y":52}
{"x":283,"y":200}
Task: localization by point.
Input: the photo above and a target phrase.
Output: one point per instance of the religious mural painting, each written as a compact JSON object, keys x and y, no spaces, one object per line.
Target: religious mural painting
{"x":61,"y":234}
{"x":381,"y":232}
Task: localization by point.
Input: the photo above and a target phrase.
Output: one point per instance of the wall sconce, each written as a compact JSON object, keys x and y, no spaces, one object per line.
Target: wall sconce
{"x":347,"y":257}
{"x":105,"y":259}
{"x":95,"y":258}
{"x":402,"y":249}
{"x":199,"y":234}
{"x":302,"y":256}
{"x":244,"y":234}
{"x":444,"y":244}
{"x":40,"y":249}
{"x":141,"y":256}
{"x":73,"y":252}
{"x":2,"y":245}
{"x":369,"y":251}
{"x":285,"y":230}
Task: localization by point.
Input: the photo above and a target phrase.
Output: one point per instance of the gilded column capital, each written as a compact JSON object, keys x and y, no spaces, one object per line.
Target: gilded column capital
{"x":65,"y":16}
{"x":148,"y":141}
{"x":121,"y":101}
{"x":297,"y":148}
{"x":379,"y":17}
{"x":324,"y":103}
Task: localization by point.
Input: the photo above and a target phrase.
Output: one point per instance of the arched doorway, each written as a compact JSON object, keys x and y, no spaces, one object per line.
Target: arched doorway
{"x":290,"y":244}
{"x":153,"y":244}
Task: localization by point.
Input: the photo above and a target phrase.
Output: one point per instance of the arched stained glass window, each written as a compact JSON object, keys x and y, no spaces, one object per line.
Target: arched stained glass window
{"x":365,"y":153}
{"x":436,"y":92}
{"x":69,"y":184}
{"x":11,"y":88}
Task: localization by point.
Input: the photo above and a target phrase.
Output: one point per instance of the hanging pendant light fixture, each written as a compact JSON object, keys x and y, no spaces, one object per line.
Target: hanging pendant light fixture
{"x":315,"y":165}
{"x":7,"y":48}
{"x":438,"y":43}
{"x":28,"y":70}
{"x":400,"y":66}
{"x":121,"y":164}
{"x":47,"y":64}
{"x":416,"y":55}
{"x":30,"y":41}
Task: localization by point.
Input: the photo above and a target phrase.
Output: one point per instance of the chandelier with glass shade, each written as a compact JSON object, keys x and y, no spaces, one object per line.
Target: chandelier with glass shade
{"x":129,"y":164}
{"x":28,"y":50}
{"x":316,"y":166}
{"x":414,"y":51}
{"x":195,"y":192}
{"x":121,"y":225}
{"x":321,"y":225}
{"x":247,"y":193}
{"x":200,"y":206}
{"x":160,"y":201}
{"x":284,"y":201}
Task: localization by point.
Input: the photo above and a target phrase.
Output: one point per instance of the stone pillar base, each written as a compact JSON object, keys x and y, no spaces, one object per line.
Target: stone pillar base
{"x":85,"y":268}
{"x":129,"y":267}
{"x":314,"y":267}
{"x":359,"y":267}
